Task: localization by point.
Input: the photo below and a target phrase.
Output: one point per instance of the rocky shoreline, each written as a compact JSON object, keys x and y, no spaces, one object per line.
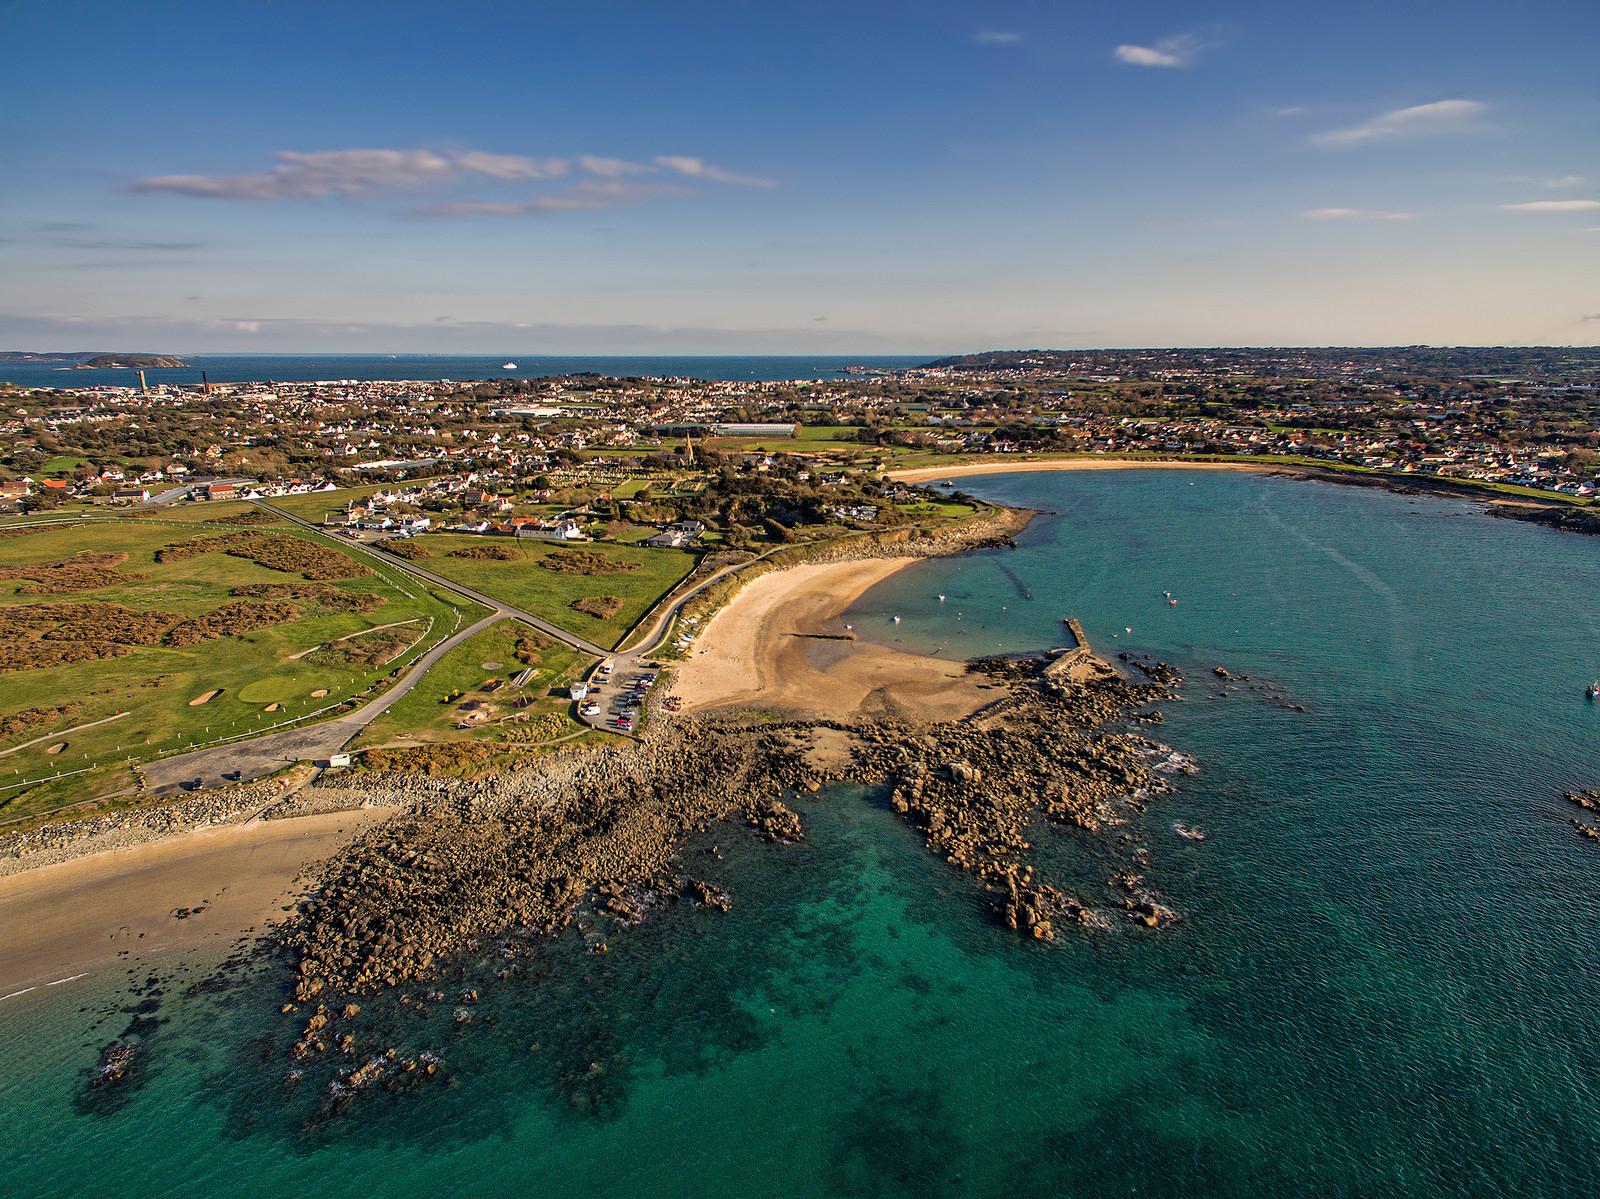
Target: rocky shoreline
{"x":485,"y":870}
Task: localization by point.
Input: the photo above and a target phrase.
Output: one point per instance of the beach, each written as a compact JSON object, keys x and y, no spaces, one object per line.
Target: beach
{"x":781,"y":644}
{"x":75,"y":918}
{"x":924,"y":474}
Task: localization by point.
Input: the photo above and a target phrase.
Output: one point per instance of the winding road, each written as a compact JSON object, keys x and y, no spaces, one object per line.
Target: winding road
{"x":252,"y":757}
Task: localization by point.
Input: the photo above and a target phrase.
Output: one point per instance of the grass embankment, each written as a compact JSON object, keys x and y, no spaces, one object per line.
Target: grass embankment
{"x":152,"y":685}
{"x":637,"y":575}
{"x":457,"y":690}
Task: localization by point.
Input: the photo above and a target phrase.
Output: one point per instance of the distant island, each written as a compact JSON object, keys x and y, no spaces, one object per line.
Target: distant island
{"x":93,"y":359}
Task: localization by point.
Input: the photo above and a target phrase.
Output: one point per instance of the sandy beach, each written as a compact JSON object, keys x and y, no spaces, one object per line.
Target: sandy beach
{"x":76,"y":918}
{"x":924,"y":474}
{"x":777,"y":645}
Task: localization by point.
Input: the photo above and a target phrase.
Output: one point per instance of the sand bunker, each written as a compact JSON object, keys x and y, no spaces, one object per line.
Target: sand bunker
{"x":272,"y":707}
{"x":319,"y":693}
{"x":57,"y":747}
{"x":206,"y":698}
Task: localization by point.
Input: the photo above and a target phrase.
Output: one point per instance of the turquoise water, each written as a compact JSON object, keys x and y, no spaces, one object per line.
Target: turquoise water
{"x":1381,"y":985}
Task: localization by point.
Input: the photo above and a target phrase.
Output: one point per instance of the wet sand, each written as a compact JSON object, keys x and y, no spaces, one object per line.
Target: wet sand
{"x":773,"y":647}
{"x":77,"y":918}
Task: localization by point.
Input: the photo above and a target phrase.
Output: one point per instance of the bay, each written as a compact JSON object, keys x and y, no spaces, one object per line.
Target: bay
{"x":1381,"y":983}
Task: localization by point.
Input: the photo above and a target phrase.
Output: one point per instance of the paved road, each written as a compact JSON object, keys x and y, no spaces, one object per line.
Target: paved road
{"x":626,"y":664}
{"x":252,"y":757}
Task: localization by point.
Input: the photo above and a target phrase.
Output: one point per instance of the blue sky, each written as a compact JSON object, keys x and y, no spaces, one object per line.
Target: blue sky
{"x":830,"y":177}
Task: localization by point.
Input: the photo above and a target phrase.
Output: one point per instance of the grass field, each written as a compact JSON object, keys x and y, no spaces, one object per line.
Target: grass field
{"x":523,"y":583}
{"x":431,"y":710}
{"x":941,"y":509}
{"x":152,"y":686}
{"x":827,"y":433}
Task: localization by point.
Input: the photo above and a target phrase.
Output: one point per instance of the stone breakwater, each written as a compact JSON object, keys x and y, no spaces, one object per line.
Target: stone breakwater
{"x":479,"y":871}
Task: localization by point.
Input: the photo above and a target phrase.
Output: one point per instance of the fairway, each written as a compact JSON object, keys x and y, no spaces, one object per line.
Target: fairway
{"x":521,"y":581}
{"x":155,"y":680}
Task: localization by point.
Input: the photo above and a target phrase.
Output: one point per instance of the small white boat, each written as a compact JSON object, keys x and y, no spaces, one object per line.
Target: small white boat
{"x":896,"y":620}
{"x":508,"y":366}
{"x":941,"y":598}
{"x":1593,"y":691}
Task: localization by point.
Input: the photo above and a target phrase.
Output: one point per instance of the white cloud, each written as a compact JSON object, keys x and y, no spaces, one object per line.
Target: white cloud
{"x":308,"y":176}
{"x":698,"y":168}
{"x":1554,"y":206}
{"x":1441,"y":116}
{"x":510,"y":166}
{"x":997,"y":37}
{"x":1354,"y":214}
{"x":1177,"y":51}
{"x":1561,"y":181}
{"x":610,"y":168}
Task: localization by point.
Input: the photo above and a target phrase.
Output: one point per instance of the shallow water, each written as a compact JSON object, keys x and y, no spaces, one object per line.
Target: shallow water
{"x":1380,"y":985}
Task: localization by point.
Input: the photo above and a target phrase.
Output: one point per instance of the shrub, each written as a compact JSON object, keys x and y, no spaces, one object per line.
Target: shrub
{"x":276,"y":551}
{"x":81,"y":572}
{"x":230,"y":620}
{"x":35,"y":636}
{"x":585,"y":562}
{"x":411,"y":551}
{"x":601,"y":607}
{"x":487,"y":553}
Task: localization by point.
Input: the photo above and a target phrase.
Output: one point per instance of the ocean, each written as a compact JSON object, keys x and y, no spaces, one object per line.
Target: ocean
{"x":1381,"y":983}
{"x":293,"y":368}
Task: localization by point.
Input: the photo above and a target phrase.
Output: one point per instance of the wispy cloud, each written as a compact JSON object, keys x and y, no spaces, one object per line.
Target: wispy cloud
{"x":610,"y":168}
{"x":1441,"y":116}
{"x":1554,"y":206}
{"x":1177,"y":51}
{"x":1562,"y":181}
{"x":511,"y":166}
{"x":315,"y":175}
{"x":997,"y":37}
{"x":1354,"y":214}
{"x":299,"y":176}
{"x":699,"y":168}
